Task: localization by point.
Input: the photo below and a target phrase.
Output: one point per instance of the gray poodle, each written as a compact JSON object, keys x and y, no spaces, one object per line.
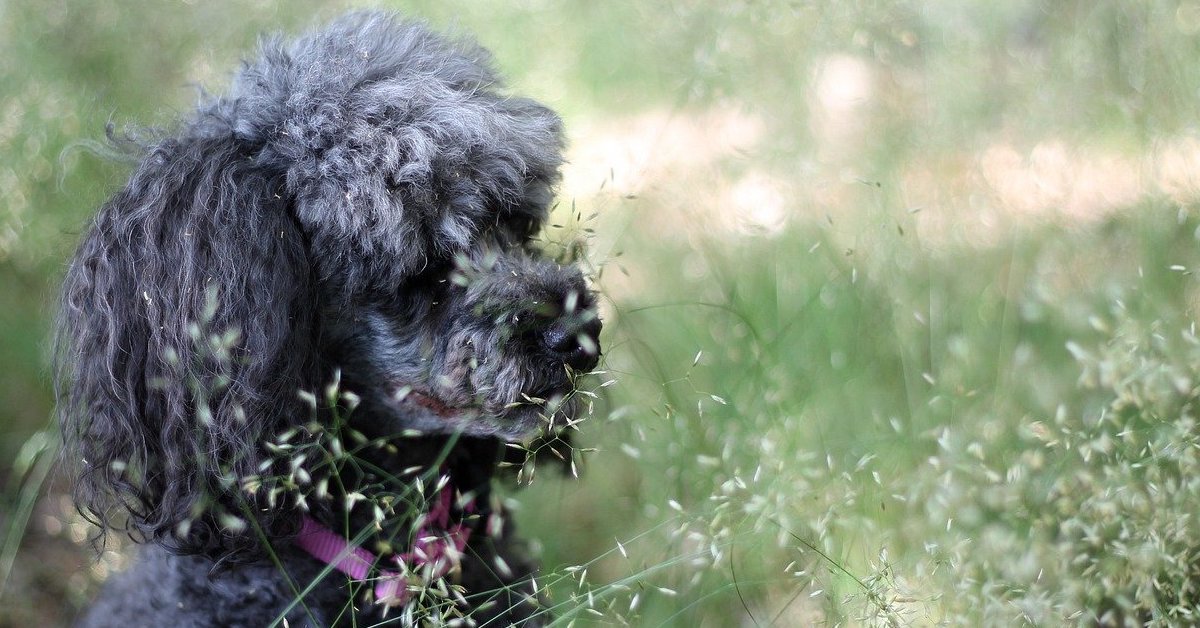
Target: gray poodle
{"x":295,"y":347}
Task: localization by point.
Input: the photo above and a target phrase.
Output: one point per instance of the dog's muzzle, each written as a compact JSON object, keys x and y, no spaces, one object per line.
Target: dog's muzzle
{"x":574,"y":339}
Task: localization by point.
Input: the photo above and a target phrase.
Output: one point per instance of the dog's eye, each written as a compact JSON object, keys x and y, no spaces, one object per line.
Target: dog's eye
{"x":456,"y":173}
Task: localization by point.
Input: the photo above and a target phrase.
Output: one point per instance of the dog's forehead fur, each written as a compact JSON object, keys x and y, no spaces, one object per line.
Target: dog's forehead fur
{"x":405,"y":138}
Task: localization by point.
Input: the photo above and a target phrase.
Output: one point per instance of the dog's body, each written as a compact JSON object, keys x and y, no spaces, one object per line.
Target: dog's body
{"x":358,"y":210}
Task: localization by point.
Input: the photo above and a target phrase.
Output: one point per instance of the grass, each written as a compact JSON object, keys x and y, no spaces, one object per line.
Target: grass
{"x":899,"y":296}
{"x":975,"y":435}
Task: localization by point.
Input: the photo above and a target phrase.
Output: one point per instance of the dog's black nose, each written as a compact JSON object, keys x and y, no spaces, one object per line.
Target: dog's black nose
{"x":576,"y":343}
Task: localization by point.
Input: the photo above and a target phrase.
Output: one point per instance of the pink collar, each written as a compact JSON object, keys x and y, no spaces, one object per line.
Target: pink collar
{"x":436,"y":550}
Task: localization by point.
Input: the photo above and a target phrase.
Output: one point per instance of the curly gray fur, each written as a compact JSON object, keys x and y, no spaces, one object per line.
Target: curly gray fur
{"x":362,"y":203}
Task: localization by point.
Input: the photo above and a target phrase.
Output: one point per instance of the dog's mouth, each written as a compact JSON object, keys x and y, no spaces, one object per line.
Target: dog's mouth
{"x":427,"y":412}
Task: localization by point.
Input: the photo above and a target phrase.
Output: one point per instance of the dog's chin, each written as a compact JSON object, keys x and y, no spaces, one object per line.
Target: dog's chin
{"x":424,"y":413}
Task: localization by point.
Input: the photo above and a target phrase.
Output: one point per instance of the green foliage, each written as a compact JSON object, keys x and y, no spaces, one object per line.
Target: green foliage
{"x":992,"y":442}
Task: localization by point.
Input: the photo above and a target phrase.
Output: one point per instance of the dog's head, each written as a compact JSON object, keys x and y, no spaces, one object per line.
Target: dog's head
{"x":489,"y":347}
{"x":362,"y":202}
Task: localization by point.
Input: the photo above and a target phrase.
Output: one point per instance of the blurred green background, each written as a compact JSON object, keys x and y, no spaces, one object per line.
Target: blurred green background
{"x":899,"y":296}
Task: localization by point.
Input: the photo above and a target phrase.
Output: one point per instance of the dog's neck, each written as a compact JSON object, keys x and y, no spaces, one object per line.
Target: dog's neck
{"x":424,"y":538}
{"x":438,"y":544}
{"x":466,"y":465}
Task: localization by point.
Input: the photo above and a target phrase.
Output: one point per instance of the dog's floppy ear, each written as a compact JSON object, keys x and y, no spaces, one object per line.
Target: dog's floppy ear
{"x":187,"y":328}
